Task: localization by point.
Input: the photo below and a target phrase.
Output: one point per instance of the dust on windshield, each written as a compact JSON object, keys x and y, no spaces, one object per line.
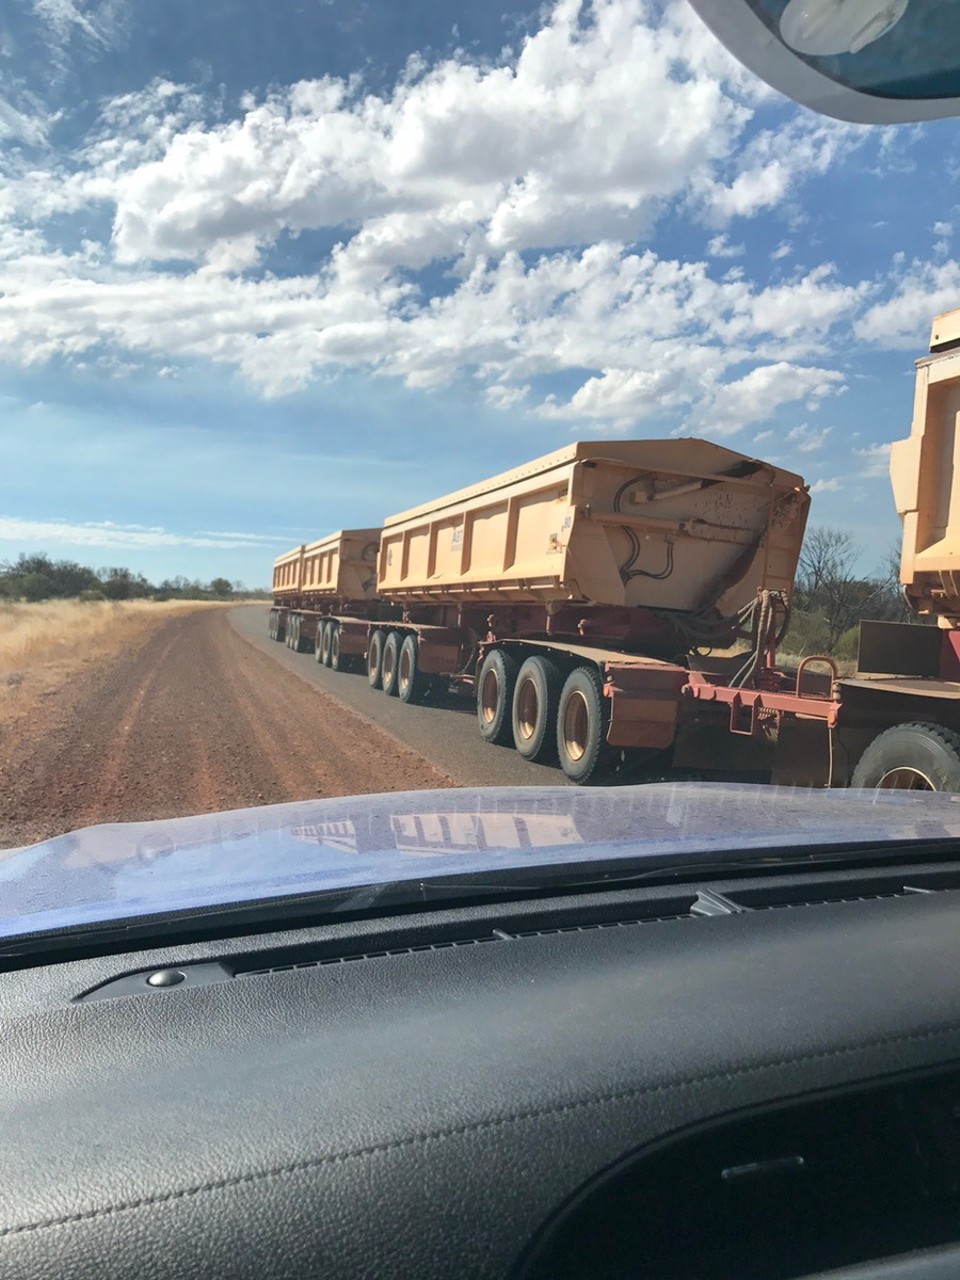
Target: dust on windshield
{"x":414,"y":397}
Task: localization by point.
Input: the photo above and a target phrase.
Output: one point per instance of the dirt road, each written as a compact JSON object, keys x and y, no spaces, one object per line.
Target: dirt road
{"x":192,"y":720}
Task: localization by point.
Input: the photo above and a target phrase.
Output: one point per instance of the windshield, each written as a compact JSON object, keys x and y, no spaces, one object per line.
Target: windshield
{"x":404,"y":398}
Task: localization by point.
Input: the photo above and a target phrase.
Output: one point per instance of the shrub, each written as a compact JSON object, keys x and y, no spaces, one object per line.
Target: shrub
{"x":33,"y":587}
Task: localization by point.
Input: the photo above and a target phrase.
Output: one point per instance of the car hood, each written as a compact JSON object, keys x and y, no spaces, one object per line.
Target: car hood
{"x":119,"y":872}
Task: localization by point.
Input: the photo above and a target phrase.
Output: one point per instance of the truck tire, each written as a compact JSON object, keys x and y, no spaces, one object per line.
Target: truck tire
{"x":318,"y":644}
{"x":582,"y":721}
{"x":536,"y":696}
{"x":911,"y":757}
{"x":291,"y":637}
{"x":326,"y":637}
{"x":375,"y":659}
{"x":495,"y":685}
{"x":338,"y":661}
{"x":272,"y":625}
{"x":390,"y":673}
{"x":411,"y":685}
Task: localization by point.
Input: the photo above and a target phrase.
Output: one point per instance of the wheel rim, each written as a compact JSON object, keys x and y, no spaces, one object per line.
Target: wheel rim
{"x":489,"y":696}
{"x":905,"y":779}
{"x":528,"y":709}
{"x":575,"y":725}
{"x":373,"y":657}
{"x":387,"y":665}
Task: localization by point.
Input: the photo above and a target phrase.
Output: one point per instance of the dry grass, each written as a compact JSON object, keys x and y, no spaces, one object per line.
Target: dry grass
{"x":33,"y":635}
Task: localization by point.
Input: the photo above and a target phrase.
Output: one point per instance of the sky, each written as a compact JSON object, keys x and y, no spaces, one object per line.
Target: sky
{"x":270,"y":268}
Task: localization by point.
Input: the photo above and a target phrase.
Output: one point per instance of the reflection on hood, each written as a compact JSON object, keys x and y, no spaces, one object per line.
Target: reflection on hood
{"x":120,"y":871}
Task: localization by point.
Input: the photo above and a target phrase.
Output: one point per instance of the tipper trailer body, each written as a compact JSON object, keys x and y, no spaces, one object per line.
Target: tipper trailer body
{"x":325,"y":594}
{"x":589,"y":602}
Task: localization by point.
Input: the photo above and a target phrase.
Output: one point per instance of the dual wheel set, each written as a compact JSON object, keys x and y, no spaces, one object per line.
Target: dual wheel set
{"x":327,"y":647}
{"x":393,"y":666}
{"x":529,"y":704}
{"x":548,"y":714}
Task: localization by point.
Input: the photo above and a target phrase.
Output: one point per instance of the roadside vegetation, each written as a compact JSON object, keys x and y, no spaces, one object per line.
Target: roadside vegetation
{"x":37,"y":578}
{"x":831,"y":598}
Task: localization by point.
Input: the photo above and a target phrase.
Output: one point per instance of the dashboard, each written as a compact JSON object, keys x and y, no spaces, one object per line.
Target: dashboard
{"x":756,"y":1076}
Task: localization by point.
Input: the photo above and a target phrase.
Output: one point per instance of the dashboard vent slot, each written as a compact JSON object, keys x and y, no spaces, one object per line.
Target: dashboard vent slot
{"x":839,"y":890}
{"x":256,"y":965}
{"x":701,"y":904}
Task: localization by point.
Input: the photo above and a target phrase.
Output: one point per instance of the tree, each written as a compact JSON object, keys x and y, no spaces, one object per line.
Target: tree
{"x":123,"y":584}
{"x":221,"y":588}
{"x":826,"y":582}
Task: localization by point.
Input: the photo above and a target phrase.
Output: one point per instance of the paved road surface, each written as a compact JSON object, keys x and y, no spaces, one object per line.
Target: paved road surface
{"x":446,"y":736}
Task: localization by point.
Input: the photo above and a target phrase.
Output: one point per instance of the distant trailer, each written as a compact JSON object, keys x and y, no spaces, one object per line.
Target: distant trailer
{"x":325,"y":595}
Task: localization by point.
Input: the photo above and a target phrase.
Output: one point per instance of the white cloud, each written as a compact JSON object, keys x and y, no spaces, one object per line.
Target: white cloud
{"x":921,"y":290}
{"x":783,"y":250}
{"x":105,"y":533}
{"x":720,"y":247}
{"x":759,"y":393}
{"x":876,"y":460}
{"x":944,"y":229}
{"x":664,"y":331}
{"x":463,"y":165}
{"x":808,"y":439}
{"x":244,"y":537}
{"x":29,"y":123}
{"x":761,"y":436}
{"x":833,"y":485}
{"x":95,"y":23}
{"x":774,"y":161}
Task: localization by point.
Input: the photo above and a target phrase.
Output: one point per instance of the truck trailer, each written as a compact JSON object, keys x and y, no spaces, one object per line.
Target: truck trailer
{"x":590,"y":602}
{"x":324,"y":596}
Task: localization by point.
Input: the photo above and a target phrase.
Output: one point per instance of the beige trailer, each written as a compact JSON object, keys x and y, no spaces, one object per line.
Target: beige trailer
{"x":335,"y":577}
{"x":577,"y":584}
{"x":926,"y":479}
{"x":341,"y":566}
{"x":682,"y":525}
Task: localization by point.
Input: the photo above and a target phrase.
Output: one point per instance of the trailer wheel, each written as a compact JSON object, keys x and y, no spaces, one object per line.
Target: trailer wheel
{"x":911,"y":757}
{"x":390,"y":666}
{"x":318,"y":644}
{"x":411,"y":684}
{"x":495,"y":685}
{"x":375,"y":659}
{"x":325,"y":638}
{"x":292,"y":620}
{"x":338,"y":661}
{"x":271,"y":624}
{"x":582,"y":722}
{"x":297,"y":645}
{"x":536,"y":696}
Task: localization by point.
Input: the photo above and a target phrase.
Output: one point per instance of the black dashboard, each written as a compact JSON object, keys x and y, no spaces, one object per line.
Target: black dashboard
{"x":751,"y":1077}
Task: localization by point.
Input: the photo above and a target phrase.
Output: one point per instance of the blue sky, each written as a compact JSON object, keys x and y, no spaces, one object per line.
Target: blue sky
{"x":273,"y":268}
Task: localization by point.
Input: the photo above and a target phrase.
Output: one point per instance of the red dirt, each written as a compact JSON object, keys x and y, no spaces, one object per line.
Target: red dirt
{"x":192,"y":720}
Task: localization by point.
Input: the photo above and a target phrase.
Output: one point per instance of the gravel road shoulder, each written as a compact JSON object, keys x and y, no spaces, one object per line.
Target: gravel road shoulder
{"x":191,"y":720}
